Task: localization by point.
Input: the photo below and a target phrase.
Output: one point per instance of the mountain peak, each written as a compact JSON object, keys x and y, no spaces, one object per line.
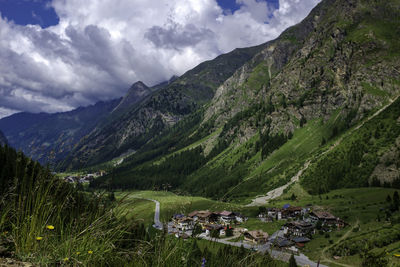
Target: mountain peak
{"x":136,"y":92}
{"x":139,"y":84}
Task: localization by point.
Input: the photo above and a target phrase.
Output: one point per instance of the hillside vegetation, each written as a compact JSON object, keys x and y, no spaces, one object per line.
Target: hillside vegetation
{"x":288,"y":104}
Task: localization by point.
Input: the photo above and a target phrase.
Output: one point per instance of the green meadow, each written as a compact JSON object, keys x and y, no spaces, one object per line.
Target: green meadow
{"x":362,"y":208}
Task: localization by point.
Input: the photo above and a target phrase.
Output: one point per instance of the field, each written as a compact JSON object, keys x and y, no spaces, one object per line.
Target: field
{"x":170,"y":203}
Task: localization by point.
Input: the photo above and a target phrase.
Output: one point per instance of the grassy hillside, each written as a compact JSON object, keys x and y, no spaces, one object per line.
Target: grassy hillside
{"x":352,"y":162}
{"x":373,"y":224}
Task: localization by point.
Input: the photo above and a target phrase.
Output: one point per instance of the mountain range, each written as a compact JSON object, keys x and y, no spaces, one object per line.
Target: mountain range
{"x":316,"y":105}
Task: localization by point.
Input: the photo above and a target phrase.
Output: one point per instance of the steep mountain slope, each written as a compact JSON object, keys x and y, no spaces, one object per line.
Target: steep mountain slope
{"x":345,"y":68}
{"x":294,"y":98}
{"x":3,"y":139}
{"x":135,"y":94}
{"x":49,"y":137}
{"x":159,"y":111}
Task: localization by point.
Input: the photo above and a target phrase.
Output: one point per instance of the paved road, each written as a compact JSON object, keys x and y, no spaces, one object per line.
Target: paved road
{"x":301,"y":259}
{"x":157,"y":224}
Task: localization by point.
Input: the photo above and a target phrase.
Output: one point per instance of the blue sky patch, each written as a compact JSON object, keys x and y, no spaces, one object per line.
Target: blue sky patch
{"x":25,"y":12}
{"x":231,"y":5}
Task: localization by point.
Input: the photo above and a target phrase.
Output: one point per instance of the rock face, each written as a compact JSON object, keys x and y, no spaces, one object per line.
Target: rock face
{"x":328,"y":62}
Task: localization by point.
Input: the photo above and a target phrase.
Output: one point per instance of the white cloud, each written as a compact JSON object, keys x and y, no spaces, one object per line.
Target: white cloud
{"x":100,"y":47}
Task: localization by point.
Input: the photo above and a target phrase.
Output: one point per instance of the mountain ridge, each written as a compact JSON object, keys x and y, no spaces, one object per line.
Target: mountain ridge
{"x":158,"y":111}
{"x":303,"y":90}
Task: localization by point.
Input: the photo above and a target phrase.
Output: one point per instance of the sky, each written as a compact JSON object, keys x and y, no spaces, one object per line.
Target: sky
{"x":57,"y":55}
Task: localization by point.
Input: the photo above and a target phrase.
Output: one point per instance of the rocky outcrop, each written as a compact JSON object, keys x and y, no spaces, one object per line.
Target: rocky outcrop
{"x":328,"y":62}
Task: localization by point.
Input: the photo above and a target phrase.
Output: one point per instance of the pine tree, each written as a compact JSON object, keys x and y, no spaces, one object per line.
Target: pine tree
{"x":292,"y":261}
{"x":396,"y":200}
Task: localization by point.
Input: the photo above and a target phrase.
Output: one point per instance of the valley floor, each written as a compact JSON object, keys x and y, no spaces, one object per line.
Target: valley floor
{"x":362,"y":208}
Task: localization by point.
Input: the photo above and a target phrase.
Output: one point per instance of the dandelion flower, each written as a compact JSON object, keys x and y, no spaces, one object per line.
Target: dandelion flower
{"x":66,"y":259}
{"x":50,"y":227}
{"x":39,"y":238}
{"x":90,"y":252}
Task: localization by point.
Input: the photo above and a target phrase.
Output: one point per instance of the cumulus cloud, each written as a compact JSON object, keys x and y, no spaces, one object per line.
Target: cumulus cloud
{"x":177,"y":36}
{"x":99,"y":48}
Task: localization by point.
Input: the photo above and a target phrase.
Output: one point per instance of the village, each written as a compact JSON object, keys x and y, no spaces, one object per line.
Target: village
{"x":82,"y":179}
{"x":300,"y":224}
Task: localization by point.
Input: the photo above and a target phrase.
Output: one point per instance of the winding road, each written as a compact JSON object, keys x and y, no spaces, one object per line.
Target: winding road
{"x":157,"y":224}
{"x":301,"y":259}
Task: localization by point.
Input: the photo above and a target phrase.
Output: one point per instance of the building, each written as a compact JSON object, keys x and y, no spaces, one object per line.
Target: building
{"x":281,"y":242}
{"x":298,"y":228}
{"x":292,"y":212}
{"x":274,"y":213}
{"x":177,"y":217}
{"x":239,"y":217}
{"x":185,"y":224}
{"x":326,"y":218}
{"x":204,"y":216}
{"x":300,"y":241}
{"x":213,"y":227}
{"x":227,"y":217}
{"x":257,"y":236}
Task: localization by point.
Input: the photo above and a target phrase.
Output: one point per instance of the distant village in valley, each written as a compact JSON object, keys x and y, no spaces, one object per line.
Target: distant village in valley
{"x":300,"y":224}
{"x":84,"y":178}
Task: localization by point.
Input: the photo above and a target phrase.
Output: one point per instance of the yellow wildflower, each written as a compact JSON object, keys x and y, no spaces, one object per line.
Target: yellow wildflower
{"x":90,"y":252}
{"x":66,"y":259}
{"x":77,"y":253}
{"x":39,"y":238}
{"x":50,"y":227}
